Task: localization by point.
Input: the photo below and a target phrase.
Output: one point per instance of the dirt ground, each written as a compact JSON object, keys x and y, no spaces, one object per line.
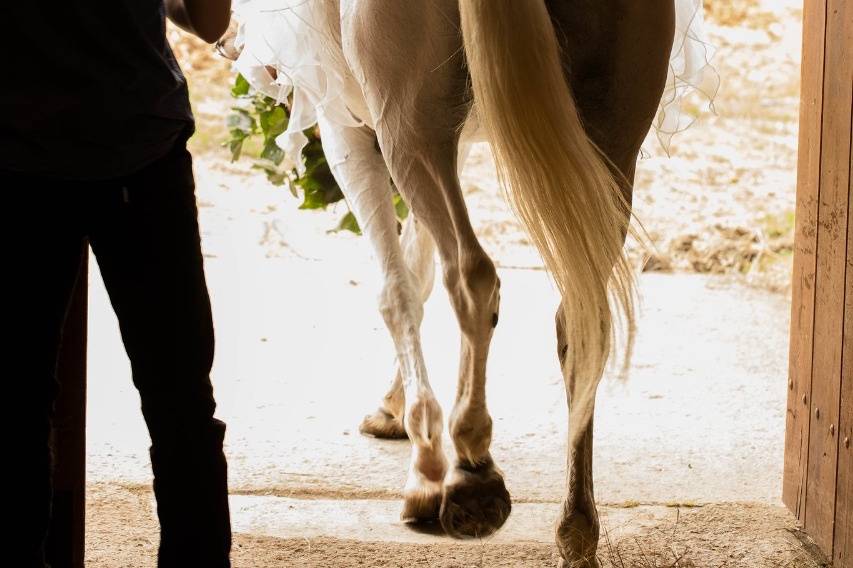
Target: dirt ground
{"x":122,"y":531}
{"x":688,"y":452}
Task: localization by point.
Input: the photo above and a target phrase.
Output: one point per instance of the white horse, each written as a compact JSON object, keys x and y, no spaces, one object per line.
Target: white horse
{"x":565,"y":91}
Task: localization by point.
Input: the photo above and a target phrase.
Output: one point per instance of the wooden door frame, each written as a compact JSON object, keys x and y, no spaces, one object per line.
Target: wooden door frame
{"x":818,"y":475}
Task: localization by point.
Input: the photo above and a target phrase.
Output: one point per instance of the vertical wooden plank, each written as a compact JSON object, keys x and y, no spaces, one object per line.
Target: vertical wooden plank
{"x":66,"y":540}
{"x":830,"y":281}
{"x":805,"y":251}
{"x":843,"y":541}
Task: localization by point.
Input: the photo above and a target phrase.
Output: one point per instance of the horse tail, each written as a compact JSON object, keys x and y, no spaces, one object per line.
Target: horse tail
{"x":556,"y":178}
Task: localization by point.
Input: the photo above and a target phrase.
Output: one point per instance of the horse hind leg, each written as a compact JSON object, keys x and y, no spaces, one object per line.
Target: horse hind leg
{"x":578,"y":527}
{"x":419,"y":255}
{"x":364,"y":179}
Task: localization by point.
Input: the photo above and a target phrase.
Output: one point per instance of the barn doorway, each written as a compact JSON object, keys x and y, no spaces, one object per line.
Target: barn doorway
{"x":689,"y":456}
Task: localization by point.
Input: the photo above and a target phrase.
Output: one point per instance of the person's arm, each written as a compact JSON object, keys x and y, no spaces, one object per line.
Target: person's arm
{"x":208,"y":19}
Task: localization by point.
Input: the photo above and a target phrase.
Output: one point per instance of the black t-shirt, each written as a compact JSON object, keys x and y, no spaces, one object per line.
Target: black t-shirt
{"x":90,"y":88}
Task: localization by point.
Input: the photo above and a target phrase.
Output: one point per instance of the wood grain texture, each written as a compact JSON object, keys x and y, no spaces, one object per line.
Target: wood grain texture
{"x":830,"y":279}
{"x":805,"y":258}
{"x":843,"y":540}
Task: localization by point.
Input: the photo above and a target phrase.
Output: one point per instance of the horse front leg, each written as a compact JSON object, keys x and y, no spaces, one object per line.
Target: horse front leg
{"x":365,"y":181}
{"x":419,"y":255}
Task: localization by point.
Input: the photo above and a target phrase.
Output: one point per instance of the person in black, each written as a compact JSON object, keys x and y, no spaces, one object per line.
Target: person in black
{"x":94,"y":119}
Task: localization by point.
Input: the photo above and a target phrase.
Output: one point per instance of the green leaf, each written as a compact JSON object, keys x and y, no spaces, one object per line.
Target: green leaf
{"x":275,"y":175}
{"x":236,"y":147}
{"x":265,"y":165}
{"x":272,"y":153}
{"x":256,"y":114}
{"x":278,"y":178}
{"x":348,"y":223}
{"x":400,"y":207}
{"x":241,"y":87}
{"x":312,"y":195}
{"x":273,"y":122}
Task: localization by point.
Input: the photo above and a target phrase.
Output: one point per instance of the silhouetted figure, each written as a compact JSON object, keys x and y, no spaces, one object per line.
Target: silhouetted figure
{"x":94,"y":119}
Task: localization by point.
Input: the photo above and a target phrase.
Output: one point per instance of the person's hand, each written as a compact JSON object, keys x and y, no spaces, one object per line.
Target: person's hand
{"x":225,"y":46}
{"x":207,"y":19}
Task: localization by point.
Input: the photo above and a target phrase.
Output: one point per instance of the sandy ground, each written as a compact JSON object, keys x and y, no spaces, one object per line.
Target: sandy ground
{"x":723,"y":535}
{"x":688,"y":451}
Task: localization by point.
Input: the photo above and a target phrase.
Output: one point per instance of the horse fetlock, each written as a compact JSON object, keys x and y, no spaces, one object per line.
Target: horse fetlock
{"x":430,"y":464}
{"x":423,"y":421}
{"x":471,"y":430}
{"x":423,"y":492}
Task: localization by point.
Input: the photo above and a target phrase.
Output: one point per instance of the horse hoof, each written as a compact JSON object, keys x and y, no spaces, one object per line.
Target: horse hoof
{"x":422,"y":505}
{"x":476,"y":502}
{"x":381,"y":424}
{"x":577,"y":539}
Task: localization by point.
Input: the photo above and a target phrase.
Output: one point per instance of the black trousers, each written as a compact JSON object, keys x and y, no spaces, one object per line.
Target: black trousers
{"x":144,"y":232}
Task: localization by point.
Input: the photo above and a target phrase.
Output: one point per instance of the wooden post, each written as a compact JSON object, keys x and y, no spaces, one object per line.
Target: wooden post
{"x":818,"y":458}
{"x":66,"y":540}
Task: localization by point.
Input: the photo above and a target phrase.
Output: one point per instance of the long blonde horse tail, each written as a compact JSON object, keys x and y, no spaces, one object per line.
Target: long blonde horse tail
{"x":557,"y":180}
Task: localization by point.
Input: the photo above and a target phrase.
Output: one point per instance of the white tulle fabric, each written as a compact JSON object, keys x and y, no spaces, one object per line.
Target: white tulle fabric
{"x":692,"y":81}
{"x":291,"y":36}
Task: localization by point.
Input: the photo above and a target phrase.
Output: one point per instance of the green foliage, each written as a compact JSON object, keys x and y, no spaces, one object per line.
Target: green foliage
{"x":258,"y":117}
{"x":400,"y":207}
{"x":348,"y":223}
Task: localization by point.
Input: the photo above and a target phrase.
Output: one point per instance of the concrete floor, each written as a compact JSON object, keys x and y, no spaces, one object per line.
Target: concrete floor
{"x":302,"y":355}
